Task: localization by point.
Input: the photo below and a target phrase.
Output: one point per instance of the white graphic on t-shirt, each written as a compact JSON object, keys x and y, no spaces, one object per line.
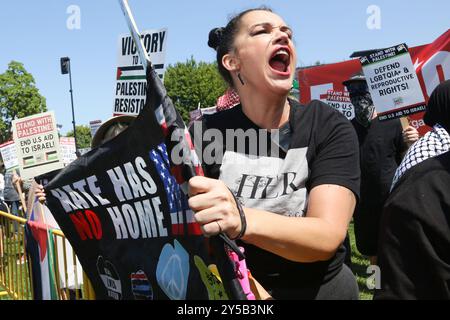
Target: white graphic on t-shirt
{"x":267,"y":183}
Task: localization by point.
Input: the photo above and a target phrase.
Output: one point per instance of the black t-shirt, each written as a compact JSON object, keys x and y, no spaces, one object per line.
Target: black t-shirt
{"x":322,"y":150}
{"x":414,"y":247}
{"x":381,"y":146}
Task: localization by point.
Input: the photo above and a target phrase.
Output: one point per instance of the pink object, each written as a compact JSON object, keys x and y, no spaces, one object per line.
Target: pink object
{"x":242,"y":273}
{"x":228,"y":100}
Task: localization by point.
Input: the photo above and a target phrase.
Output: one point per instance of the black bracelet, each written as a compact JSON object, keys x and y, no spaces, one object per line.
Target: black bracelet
{"x":243,"y":219}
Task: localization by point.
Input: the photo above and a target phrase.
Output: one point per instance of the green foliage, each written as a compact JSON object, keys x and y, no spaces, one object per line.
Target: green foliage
{"x":191,"y":84}
{"x":83,"y":136}
{"x":19,"y":97}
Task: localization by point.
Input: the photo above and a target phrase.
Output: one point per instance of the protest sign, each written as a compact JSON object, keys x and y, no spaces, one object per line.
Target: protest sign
{"x":37,"y":144}
{"x":68,"y":150}
{"x":131,"y":85}
{"x":393,"y":83}
{"x":340,"y":101}
{"x":431,"y":61}
{"x":94,"y":125}
{"x":9,"y":155}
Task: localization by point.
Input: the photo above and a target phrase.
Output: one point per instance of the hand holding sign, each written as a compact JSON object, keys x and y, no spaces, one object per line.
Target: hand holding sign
{"x":393,"y":83}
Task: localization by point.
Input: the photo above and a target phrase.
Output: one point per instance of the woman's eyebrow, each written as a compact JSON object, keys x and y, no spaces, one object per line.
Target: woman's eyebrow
{"x":263,"y":24}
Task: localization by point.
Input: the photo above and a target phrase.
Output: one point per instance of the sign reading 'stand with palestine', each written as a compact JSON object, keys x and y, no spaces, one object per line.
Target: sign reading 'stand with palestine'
{"x":340,"y":101}
{"x":131,"y":84}
{"x":393,"y":82}
{"x":37,"y":144}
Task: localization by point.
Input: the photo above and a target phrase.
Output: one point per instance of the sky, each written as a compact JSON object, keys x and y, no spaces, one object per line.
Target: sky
{"x":35,"y":33}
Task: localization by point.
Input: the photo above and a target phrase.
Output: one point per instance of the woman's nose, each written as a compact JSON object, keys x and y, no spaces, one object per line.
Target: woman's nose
{"x":280,"y":36}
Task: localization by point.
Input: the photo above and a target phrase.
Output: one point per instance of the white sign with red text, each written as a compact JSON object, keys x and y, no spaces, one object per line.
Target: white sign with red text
{"x":340,"y":101}
{"x":37,"y":144}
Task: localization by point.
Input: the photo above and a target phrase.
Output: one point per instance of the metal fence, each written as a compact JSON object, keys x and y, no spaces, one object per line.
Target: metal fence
{"x":16,"y":269}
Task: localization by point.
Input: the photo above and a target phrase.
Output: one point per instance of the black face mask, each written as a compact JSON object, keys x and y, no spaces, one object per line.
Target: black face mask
{"x":364,"y":108}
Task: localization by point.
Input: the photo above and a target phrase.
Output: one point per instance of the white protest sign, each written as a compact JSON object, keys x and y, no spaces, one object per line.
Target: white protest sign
{"x":393,"y":82}
{"x":37,"y":144}
{"x":94,"y":125}
{"x":68,"y":150}
{"x":340,"y":101}
{"x":9,"y":155}
{"x":131,"y":84}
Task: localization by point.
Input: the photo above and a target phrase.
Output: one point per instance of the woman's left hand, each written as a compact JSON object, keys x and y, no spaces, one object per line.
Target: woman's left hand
{"x":214,"y":206}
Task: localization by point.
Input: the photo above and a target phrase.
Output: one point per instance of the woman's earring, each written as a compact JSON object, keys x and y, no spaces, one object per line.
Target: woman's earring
{"x":240,"y":79}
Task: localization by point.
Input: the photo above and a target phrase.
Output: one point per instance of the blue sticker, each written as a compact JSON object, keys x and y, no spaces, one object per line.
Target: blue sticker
{"x":172,"y":272}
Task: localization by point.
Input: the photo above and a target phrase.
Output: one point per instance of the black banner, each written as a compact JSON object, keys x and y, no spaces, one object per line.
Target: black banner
{"x":128,"y":220}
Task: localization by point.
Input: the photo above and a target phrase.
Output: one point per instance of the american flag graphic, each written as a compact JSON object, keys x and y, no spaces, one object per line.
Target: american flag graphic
{"x":180,"y":213}
{"x":175,"y":184}
{"x":170,"y":120}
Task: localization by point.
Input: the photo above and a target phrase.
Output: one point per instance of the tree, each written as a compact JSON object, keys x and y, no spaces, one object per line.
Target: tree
{"x":19,"y":97}
{"x":191,"y":84}
{"x":84,"y":137}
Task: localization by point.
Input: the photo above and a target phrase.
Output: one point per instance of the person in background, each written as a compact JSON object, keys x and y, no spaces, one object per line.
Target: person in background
{"x":291,"y":206}
{"x":10,"y":194}
{"x":3,"y":208}
{"x":382,"y":146}
{"x":3,"y":205}
{"x":414,"y":254}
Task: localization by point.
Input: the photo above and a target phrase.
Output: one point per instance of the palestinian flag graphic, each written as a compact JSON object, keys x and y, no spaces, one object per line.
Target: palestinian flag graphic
{"x":28,"y":161}
{"x":136,"y":72}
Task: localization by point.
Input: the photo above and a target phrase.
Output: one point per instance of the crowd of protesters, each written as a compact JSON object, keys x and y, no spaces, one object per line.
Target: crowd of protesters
{"x":400,"y":204}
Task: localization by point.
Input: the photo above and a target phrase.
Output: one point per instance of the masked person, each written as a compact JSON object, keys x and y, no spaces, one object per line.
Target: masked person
{"x":290,"y":203}
{"x":382,"y":146}
{"x":414,"y":254}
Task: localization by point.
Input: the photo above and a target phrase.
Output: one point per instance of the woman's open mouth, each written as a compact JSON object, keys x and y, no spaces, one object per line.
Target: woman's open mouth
{"x":280,"y":61}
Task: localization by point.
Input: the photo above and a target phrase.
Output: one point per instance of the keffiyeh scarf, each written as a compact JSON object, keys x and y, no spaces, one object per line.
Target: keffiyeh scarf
{"x":432,"y":144}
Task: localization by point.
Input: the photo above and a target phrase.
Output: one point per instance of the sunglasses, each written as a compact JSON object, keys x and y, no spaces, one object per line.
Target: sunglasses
{"x":359,"y":87}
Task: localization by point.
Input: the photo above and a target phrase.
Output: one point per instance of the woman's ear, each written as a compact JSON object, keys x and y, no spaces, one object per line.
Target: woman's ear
{"x":230,"y":62}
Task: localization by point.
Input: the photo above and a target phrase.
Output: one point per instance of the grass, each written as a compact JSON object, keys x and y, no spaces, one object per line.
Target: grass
{"x":360,"y":264}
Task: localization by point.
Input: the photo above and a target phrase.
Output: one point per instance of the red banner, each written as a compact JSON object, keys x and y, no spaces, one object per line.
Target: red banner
{"x":432,"y":63}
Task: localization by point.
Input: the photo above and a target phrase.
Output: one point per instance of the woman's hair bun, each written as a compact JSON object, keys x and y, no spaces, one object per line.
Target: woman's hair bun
{"x":215,"y":37}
